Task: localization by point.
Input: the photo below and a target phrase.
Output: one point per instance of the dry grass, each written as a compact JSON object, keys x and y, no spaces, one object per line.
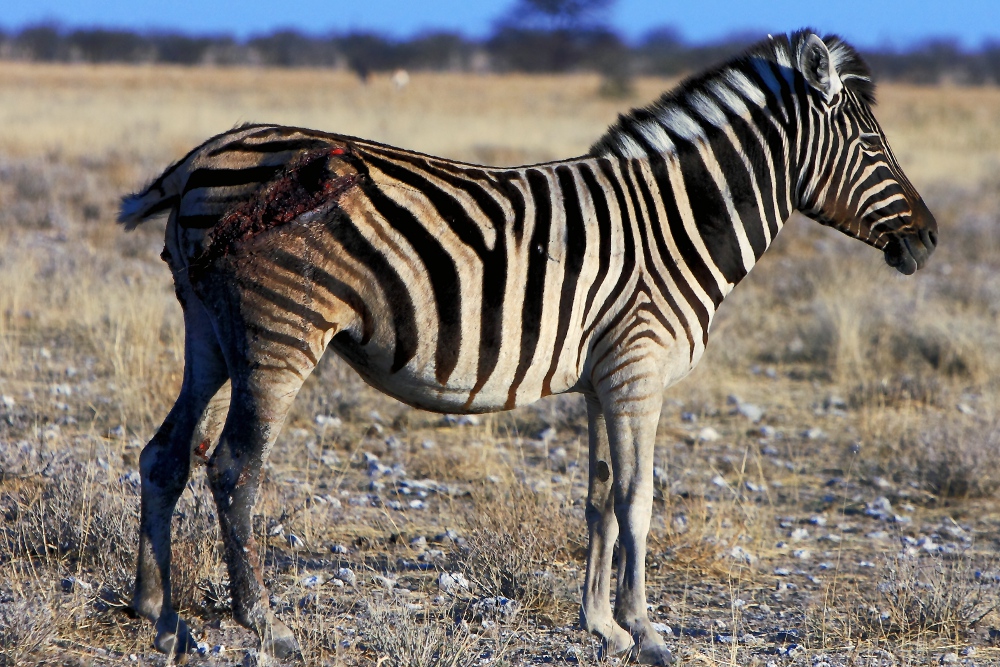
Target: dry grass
{"x":876,"y":390}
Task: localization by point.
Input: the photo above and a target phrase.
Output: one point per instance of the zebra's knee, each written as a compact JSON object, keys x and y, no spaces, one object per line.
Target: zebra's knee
{"x":162,"y":465}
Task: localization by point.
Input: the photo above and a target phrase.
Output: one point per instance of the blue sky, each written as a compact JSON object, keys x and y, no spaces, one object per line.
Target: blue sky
{"x":869,"y":23}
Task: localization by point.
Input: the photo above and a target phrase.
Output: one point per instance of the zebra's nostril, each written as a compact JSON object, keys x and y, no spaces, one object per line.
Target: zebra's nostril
{"x":929,"y":238}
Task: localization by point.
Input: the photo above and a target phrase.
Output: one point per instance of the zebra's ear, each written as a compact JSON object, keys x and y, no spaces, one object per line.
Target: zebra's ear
{"x":817,"y":66}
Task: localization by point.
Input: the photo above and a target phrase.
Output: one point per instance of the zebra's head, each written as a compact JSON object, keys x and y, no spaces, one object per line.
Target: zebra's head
{"x":849,"y":179}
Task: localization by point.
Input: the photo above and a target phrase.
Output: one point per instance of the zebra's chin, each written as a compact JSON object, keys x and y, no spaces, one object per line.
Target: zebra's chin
{"x":906,"y":255}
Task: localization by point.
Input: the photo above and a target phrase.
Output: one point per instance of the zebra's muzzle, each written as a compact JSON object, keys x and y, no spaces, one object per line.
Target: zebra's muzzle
{"x":909,"y":250}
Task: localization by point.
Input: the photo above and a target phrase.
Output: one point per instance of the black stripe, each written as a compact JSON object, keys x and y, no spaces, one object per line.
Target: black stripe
{"x":534,"y":292}
{"x":575,"y":250}
{"x":643,"y":223}
{"x":338,"y":289}
{"x":513,"y":193}
{"x":220,"y":178}
{"x":397,"y":296}
{"x":269,"y":146}
{"x":751,"y":147}
{"x":259,"y":331}
{"x":198,"y":221}
{"x":628,"y":248}
{"x":689,"y":254}
{"x":161,"y":205}
{"x":742,"y":192}
{"x":439,"y":266}
{"x":675,"y":274}
{"x":494,"y":262}
{"x":709,"y":211}
{"x":600,"y":208}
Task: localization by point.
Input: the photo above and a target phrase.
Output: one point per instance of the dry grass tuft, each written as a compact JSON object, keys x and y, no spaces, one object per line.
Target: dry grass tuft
{"x":400,"y":638}
{"x":959,"y":459}
{"x":516,"y":543}
{"x":26,"y":626}
{"x":916,"y":597}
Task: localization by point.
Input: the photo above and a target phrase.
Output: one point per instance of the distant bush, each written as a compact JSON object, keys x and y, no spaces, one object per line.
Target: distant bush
{"x":550,"y":45}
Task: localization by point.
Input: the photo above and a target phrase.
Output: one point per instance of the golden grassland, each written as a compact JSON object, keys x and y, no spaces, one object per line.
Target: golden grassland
{"x":854,"y":524}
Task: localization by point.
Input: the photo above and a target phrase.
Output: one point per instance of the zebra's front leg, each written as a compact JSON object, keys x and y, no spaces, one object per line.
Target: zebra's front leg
{"x":631,"y":400}
{"x":259,"y":406}
{"x":194,"y":422}
{"x":596,"y":615}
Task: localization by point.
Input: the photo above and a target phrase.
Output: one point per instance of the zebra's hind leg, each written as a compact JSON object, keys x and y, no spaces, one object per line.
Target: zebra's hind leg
{"x":596,"y":615}
{"x":260,"y":401}
{"x":193,"y":423}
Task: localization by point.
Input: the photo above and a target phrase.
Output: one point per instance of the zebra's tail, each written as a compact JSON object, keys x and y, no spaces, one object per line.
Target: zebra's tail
{"x":139,"y":207}
{"x":158,"y":197}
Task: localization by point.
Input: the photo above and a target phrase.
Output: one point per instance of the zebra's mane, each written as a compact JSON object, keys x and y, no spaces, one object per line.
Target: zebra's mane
{"x":781,"y":49}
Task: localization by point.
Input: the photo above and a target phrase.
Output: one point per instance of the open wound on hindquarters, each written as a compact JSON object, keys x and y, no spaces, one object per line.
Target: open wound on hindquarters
{"x":308,"y":185}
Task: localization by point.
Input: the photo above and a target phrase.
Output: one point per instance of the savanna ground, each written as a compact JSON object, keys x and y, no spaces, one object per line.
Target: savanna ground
{"x":826,"y":480}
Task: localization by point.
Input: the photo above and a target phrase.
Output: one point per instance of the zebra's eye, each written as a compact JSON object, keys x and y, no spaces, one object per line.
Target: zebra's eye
{"x":871,"y":142}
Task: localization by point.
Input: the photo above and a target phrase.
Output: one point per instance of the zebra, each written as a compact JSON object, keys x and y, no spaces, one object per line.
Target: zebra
{"x":461,"y":288}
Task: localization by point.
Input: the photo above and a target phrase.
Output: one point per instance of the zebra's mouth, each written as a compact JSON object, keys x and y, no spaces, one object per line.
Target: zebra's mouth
{"x":909,"y":253}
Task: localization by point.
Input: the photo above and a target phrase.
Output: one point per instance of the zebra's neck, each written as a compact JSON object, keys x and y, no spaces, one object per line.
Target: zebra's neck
{"x":724,"y":151}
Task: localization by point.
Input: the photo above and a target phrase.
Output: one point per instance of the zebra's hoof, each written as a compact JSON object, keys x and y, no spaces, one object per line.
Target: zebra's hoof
{"x":656,"y":654}
{"x":279,"y":642}
{"x":174,"y":638}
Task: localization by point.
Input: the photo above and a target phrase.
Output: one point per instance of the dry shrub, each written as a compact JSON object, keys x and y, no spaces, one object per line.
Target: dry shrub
{"x":26,"y":626}
{"x":403,"y":639}
{"x":515,"y":539}
{"x":81,"y":515}
{"x":897,"y":390}
{"x":916,"y":597}
{"x":959,"y":460}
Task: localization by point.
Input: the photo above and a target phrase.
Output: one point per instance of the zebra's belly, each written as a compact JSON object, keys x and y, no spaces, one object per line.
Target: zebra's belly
{"x":416,"y":384}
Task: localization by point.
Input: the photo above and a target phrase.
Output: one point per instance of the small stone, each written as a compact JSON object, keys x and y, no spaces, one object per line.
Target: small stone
{"x":499,"y":608}
{"x":69,"y":584}
{"x":814,"y":433}
{"x":347,"y":575}
{"x":311,"y":581}
{"x":719,"y":481}
{"x":799,"y":534}
{"x":338,"y":549}
{"x":417,"y":504}
{"x":767,"y":432}
{"x":428,"y":444}
{"x":752,"y":412}
{"x":689,"y":417}
{"x":329,"y":421}
{"x":294,"y":541}
{"x":817,"y":520}
{"x":965,"y":409}
{"x":708,"y":434}
{"x":949,"y":658}
{"x":782,"y":571}
{"x":741,"y":555}
{"x":385,"y":582}
{"x":802,"y":554}
{"x":451,"y":582}
{"x":663,"y":628}
{"x":419,"y":543}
